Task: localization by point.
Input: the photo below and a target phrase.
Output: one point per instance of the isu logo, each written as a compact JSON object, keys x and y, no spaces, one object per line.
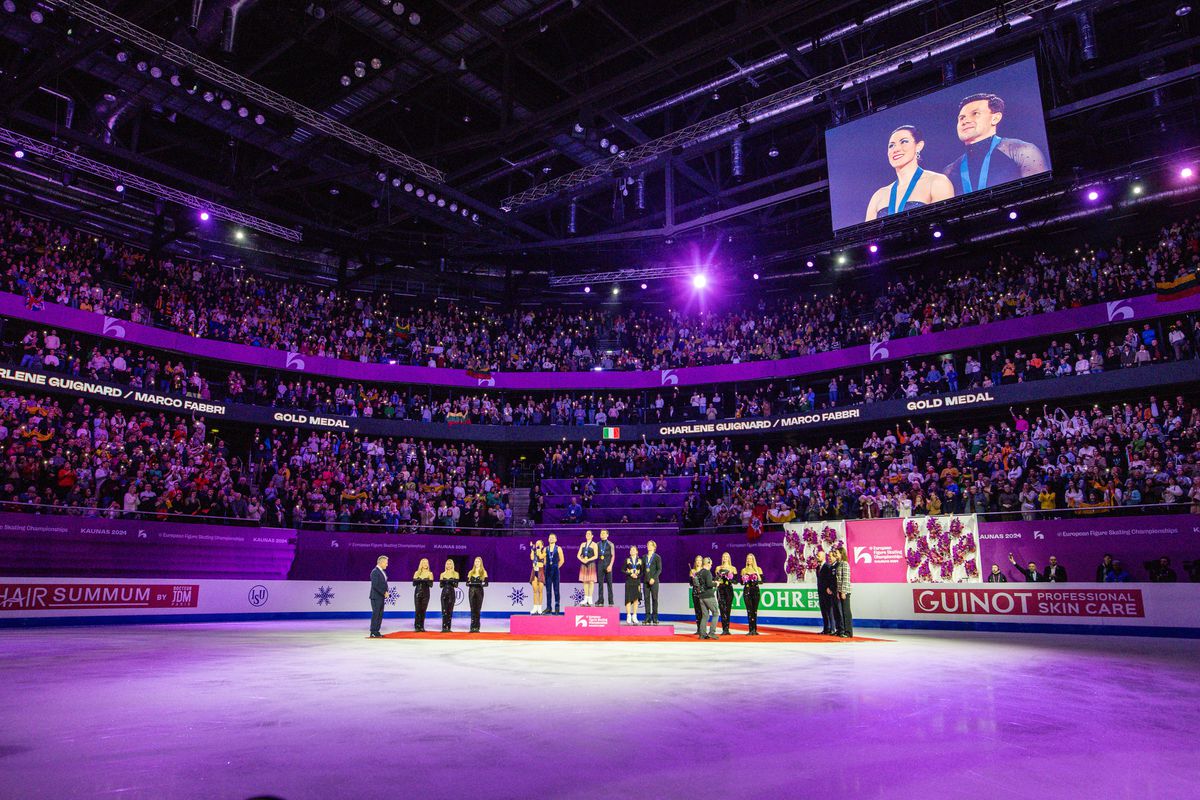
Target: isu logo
{"x":669,"y":378}
{"x":1119,"y":309}
{"x":487,"y":382}
{"x":257,"y":595}
{"x":113,"y":328}
{"x":879,"y":350}
{"x":294,"y":361}
{"x":581,"y":622}
{"x":1039,"y":535}
{"x":861,"y":556}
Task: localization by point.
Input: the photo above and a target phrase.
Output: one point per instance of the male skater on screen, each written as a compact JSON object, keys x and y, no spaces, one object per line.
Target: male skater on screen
{"x":554,"y":560}
{"x":604,"y":569}
{"x":650,"y":576}
{"x":990,"y":159}
{"x":379,"y":590}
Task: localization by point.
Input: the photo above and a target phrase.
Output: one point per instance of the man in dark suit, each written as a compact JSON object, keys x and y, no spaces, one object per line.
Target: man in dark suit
{"x":650,"y":576}
{"x":379,"y":589}
{"x":826,"y":586}
{"x":604,"y":569}
{"x":1031,"y":572}
{"x":1055,"y":572}
{"x":706,"y":598}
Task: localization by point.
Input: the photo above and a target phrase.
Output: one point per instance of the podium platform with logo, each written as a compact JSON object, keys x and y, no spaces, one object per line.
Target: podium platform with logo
{"x":583,"y":622}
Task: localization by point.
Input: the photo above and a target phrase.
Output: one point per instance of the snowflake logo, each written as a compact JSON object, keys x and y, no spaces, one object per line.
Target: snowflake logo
{"x":577,"y":596}
{"x":393,"y":596}
{"x":517,"y":596}
{"x":324,"y":595}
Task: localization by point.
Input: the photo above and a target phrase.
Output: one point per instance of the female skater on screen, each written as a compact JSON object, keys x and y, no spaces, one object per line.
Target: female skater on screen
{"x":633,"y":585}
{"x":449,"y":583}
{"x":588,"y":553}
{"x":914,"y":186}
{"x":752,"y":578}
{"x":422,"y":582}
{"x":537,"y":575}
{"x":477,"y":581}
{"x":727,"y":576}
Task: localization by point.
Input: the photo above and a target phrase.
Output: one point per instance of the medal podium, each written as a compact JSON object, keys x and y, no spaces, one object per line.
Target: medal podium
{"x":583,"y":622}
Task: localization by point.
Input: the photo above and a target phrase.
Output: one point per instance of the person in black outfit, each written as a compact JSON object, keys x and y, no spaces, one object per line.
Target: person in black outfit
{"x":1031,"y":573}
{"x":706,"y":590}
{"x":1161,"y":571}
{"x":379,"y":590}
{"x":996,"y":576}
{"x":752,"y":577}
{"x":604,"y":569}
{"x":633,"y":584}
{"x":449,"y":584}
{"x":826,"y":586}
{"x":697,"y":565}
{"x":1104,"y":568}
{"x":650,"y":575}
{"x":422,"y":583}
{"x":477,"y":581}
{"x":727,"y":576}
{"x":1055,"y":572}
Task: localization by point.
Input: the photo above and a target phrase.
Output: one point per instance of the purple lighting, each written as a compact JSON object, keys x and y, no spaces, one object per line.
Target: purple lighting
{"x":699,"y":281}
{"x":1093,"y":196}
{"x":809,"y":264}
{"x":874,"y":248}
{"x":1186,"y":173}
{"x":18,"y":153}
{"x":587,"y":290}
{"x":937,"y":234}
{"x":1012,"y":215}
{"x":204,"y":216}
{"x":756,"y":276}
{"x":643,"y":286}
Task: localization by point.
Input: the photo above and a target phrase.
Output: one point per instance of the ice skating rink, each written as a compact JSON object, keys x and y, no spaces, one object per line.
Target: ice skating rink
{"x":302,"y":710}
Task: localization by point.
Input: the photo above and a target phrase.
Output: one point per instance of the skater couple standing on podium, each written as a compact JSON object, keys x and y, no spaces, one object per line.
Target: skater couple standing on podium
{"x":596,"y":560}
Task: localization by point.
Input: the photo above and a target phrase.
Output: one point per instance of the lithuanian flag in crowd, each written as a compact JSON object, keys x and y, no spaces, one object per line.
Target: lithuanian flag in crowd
{"x":1184,"y":286}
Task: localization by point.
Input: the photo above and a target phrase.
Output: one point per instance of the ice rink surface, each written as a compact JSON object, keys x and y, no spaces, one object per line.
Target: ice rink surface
{"x":303,"y":710}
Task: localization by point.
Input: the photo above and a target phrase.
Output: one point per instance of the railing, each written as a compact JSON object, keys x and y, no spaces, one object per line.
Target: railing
{"x":526,"y":530}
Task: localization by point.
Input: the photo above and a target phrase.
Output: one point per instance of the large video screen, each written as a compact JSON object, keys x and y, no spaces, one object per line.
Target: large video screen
{"x":975,"y":135}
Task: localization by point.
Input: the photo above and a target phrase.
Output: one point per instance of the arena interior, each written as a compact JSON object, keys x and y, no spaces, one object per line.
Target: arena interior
{"x":596,"y":398}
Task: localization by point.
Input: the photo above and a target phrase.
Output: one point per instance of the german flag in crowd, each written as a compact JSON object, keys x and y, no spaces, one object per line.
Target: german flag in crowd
{"x":1184,"y":286}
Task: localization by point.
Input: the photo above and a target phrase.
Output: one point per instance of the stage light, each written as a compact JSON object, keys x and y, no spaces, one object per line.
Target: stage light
{"x":809,"y":264}
{"x":441,"y":202}
{"x":699,"y":281}
{"x":176,"y":80}
{"x":614,"y":149}
{"x":841,"y":260}
{"x":259,"y":119}
{"x":376,"y":63}
{"x":345,"y":80}
{"x":10,"y":6}
{"x":226,"y":104}
{"x":119,"y":188}
{"x":587,"y":290}
{"x":204,"y":216}
{"x":414,"y":18}
{"x":432,"y":197}
{"x":122,"y":56}
{"x":1093,"y":195}
{"x":756,"y":276}
{"x":454,"y":208}
{"x":142,"y":66}
{"x":467,"y":119}
{"x":1186,"y":173}
{"x":773,"y":152}
{"x":397,"y":8}
{"x":37,"y":17}
{"x":239,"y":235}
{"x":578,"y":128}
{"x":1183,"y":9}
{"x":408,"y":187}
{"x":874,"y":248}
{"x":937,"y":234}
{"x":420,"y":191}
{"x":381,"y":176}
{"x":644,"y":286}
{"x":1137,"y":189}
{"x":604,"y":143}
{"x":360,"y":69}
{"x":209,"y":97}
{"x":18,"y":153}
{"x":465,"y":211}
{"x":1012,"y":215}
{"x":243,"y":112}
{"x":396,"y":183}
{"x":156,"y":72}
{"x":616,"y":290}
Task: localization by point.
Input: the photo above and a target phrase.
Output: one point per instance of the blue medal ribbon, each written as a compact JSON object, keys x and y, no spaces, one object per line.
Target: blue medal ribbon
{"x":892,"y":209}
{"x":965,"y":172}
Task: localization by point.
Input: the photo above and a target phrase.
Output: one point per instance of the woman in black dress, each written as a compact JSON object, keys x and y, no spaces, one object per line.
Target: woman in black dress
{"x":727,"y":576}
{"x":449,"y":583}
{"x":633,"y":585}
{"x":752,"y":579}
{"x":477,"y":581}
{"x":422,"y":582}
